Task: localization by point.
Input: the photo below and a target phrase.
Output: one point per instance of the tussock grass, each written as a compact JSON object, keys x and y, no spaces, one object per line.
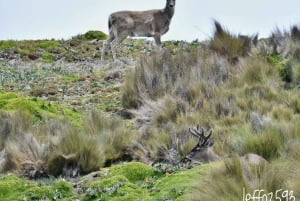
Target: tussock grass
{"x":79,"y":151}
{"x":291,"y":73}
{"x":130,"y":96}
{"x":230,"y":45}
{"x":116,"y":138}
{"x":259,"y":71}
{"x":234,"y":177}
{"x":171,"y":111}
{"x":104,"y":140}
{"x":13,"y":124}
{"x":158,"y":76}
{"x":269,"y":144}
{"x":233,"y":180}
{"x":282,"y":113}
{"x":177,"y":75}
{"x":26,"y":156}
{"x":57,"y":147}
{"x":226,"y":106}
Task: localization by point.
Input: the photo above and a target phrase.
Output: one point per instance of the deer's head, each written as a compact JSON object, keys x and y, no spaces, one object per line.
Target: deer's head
{"x":171,"y":3}
{"x":202,"y":152}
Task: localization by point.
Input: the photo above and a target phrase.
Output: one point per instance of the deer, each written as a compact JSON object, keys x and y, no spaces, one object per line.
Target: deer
{"x":150,"y":23}
{"x":202,"y":152}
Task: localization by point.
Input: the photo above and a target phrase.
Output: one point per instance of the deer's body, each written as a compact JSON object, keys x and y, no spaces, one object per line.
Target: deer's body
{"x":202,"y":155}
{"x":150,"y":23}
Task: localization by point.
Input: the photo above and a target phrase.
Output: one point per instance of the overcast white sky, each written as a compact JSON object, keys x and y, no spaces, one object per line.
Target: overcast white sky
{"x":41,"y":19}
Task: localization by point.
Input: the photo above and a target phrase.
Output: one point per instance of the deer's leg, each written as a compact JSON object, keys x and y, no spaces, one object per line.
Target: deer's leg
{"x":108,"y":41}
{"x":103,"y":50}
{"x":158,"y":42}
{"x":114,"y":44}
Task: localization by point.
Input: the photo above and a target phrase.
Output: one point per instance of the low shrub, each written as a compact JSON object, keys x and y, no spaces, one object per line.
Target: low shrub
{"x":91,"y":35}
{"x":48,"y":58}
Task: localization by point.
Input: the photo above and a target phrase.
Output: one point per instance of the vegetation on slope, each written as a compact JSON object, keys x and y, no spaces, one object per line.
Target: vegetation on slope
{"x":249,"y":96}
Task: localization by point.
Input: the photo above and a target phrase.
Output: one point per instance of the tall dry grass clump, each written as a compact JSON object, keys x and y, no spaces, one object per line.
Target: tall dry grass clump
{"x":26,"y":156}
{"x":21,"y":151}
{"x":103,"y":141}
{"x":230,"y":45}
{"x":13,"y":124}
{"x":75,"y":154}
{"x":158,"y":75}
{"x":116,"y":137}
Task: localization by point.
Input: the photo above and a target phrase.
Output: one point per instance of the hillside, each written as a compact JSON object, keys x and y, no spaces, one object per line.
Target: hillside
{"x":73,"y":127}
